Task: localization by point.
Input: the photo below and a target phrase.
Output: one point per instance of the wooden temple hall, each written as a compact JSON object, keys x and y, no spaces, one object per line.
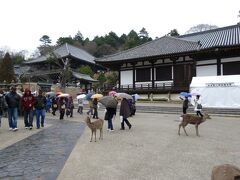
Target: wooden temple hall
{"x":46,"y":72}
{"x":168,"y":64}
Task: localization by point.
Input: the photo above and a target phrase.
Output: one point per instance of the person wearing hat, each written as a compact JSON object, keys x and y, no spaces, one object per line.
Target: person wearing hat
{"x":13,"y":100}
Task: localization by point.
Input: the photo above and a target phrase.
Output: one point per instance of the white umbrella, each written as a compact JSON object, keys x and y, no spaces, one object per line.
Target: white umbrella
{"x":136,"y":96}
{"x":81,"y":96}
{"x":64,"y":95}
{"x":124,"y":95}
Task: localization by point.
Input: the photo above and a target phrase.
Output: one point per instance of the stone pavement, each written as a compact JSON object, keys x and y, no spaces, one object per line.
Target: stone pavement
{"x":150,"y":150}
{"x":37,"y":154}
{"x":153,"y":150}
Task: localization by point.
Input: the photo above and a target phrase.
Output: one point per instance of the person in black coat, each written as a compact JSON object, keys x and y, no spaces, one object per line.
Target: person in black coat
{"x":125,"y":112}
{"x":108,"y":116}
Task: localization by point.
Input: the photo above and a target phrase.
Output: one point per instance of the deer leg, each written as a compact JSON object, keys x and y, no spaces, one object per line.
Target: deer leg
{"x":179,"y":128}
{"x":95,"y":136}
{"x":185,"y":129}
{"x":196,"y":126}
{"x":101,"y":134}
{"x":91,"y":137}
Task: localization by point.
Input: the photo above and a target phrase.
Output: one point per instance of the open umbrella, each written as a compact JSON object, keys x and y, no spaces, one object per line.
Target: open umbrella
{"x":185,"y":94}
{"x":81,"y":96}
{"x":88,"y":96}
{"x":109,"y":101}
{"x":96,"y":96}
{"x":51,"y":94}
{"x":124,"y":95}
{"x":136,"y":96}
{"x":112,"y":93}
{"x":195,"y":94}
{"x":64,"y":95}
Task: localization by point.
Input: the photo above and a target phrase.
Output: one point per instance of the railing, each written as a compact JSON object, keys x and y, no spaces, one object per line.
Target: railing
{"x":147,"y":87}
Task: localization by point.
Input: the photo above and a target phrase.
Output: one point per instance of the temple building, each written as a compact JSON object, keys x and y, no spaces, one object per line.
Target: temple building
{"x":44,"y":71}
{"x":167,"y":64}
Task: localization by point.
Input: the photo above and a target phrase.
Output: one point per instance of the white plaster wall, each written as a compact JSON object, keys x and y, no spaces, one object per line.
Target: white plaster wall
{"x":126,"y":77}
{"x":230,"y":59}
{"x":210,"y":70}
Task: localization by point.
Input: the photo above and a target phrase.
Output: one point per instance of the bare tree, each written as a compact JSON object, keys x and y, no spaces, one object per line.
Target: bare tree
{"x":200,"y":28}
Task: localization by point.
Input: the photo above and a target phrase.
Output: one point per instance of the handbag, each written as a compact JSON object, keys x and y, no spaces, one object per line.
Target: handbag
{"x":199,"y":106}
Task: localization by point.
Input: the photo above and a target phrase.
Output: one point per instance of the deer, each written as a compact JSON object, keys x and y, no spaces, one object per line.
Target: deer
{"x":225,"y":172}
{"x":97,"y":124}
{"x":192,"y":119}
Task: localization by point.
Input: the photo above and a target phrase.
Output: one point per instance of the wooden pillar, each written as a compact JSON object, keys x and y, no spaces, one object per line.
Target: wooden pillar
{"x":153,"y":77}
{"x":219,"y":73}
{"x":119,"y":79}
{"x":134,"y":77}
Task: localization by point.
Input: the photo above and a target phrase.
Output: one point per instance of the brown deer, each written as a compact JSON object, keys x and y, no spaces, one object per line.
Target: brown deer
{"x":225,"y":172}
{"x":192,"y":119}
{"x":98,"y":124}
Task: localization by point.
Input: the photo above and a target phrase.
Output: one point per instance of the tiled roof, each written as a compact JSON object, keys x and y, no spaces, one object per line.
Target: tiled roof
{"x":162,"y":46}
{"x":83,"y":77}
{"x":221,"y":37}
{"x":166,"y":45}
{"x":67,"y":50}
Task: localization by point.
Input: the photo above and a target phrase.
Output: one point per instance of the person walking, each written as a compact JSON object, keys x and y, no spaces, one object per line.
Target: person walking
{"x":95,"y":108}
{"x":70,"y":106}
{"x":40,"y":107}
{"x":125,"y":113}
{"x":90,"y":107}
{"x":27,"y":103}
{"x":54,"y":106}
{"x":198,"y":105}
{"x":61,"y":107}
{"x":13,"y":100}
{"x":49,"y":103}
{"x":80,"y":106}
{"x":110,"y":112}
{"x":3,"y":105}
{"x":185,"y":104}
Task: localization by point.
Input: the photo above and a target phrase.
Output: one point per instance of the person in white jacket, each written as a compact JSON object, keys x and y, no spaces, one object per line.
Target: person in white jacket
{"x":198,"y":105}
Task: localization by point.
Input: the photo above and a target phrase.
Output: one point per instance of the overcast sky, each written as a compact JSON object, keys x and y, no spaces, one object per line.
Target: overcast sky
{"x":24,"y":22}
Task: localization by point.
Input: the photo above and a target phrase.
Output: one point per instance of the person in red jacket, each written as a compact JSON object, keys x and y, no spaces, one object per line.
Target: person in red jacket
{"x":28,"y":101}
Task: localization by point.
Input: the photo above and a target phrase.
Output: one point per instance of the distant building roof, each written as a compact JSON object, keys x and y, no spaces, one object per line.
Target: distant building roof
{"x":220,"y":37}
{"x":83,"y":77}
{"x":66,"y":50}
{"x":167,"y":45}
{"x":162,"y":46}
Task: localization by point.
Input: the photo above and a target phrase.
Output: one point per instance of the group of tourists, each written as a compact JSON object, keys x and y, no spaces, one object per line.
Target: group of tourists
{"x":12,"y":104}
{"x":28,"y":104}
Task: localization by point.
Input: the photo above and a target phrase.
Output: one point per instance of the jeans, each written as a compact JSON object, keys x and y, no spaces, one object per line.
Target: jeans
{"x":28,"y":118}
{"x":90,"y":111}
{"x":95,"y":114}
{"x":110,"y":125}
{"x":12,"y":117}
{"x":40,"y":113}
{"x":80,"y":109}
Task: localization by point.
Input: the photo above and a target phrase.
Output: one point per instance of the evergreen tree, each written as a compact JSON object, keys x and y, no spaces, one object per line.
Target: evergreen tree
{"x":173,"y":33}
{"x":85,"y":69}
{"x":7,"y":69}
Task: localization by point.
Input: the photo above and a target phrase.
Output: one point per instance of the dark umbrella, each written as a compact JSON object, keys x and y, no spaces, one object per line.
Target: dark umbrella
{"x":109,"y":101}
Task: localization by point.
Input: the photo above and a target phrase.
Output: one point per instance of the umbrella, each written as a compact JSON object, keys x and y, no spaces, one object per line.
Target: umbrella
{"x":88,"y":96}
{"x":124,"y":95}
{"x":195,"y":94}
{"x":81,"y":96}
{"x":64,"y":95}
{"x":112,"y":93}
{"x":51,"y":94}
{"x":185,"y":94}
{"x":136,"y":96}
{"x":109,"y":101}
{"x":96,"y":96}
